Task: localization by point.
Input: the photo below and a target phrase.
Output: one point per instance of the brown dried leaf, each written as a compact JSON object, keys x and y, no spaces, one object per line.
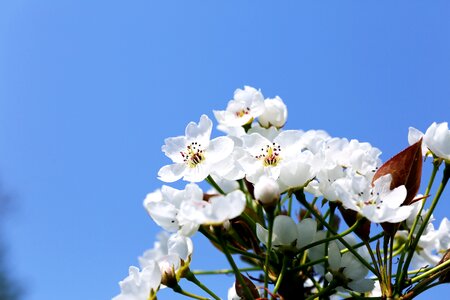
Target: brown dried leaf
{"x":351,"y":217}
{"x":405,"y":169}
{"x":250,"y":285}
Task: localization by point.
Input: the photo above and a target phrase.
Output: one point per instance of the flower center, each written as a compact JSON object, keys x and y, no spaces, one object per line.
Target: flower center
{"x":270,"y":156}
{"x":242,"y":112}
{"x":194,"y":154}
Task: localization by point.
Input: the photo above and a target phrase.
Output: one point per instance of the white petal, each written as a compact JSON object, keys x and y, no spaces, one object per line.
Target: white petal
{"x":164,"y":214}
{"x":198,"y":173}
{"x":152,"y":276}
{"x":171,"y":173}
{"x":295,"y":173}
{"x":334,"y":256}
{"x":395,"y":197}
{"x":180,"y":245}
{"x":306,"y":231}
{"x":219,"y":149}
{"x":228,"y":207}
{"x":290,"y":142}
{"x":173,"y":146}
{"x":262,"y":234}
{"x":201,"y":132}
{"x":284,"y":231}
{"x":362,"y":285}
{"x":414,"y":135}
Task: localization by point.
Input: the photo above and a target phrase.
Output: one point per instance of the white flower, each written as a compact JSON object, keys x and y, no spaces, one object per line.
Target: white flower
{"x":432,"y":243}
{"x":347,"y":271}
{"x":194,"y":155}
{"x":175,"y":244}
{"x":140,"y":285}
{"x":246,"y":105}
{"x":216,"y":210}
{"x":379,"y":204}
{"x":384,"y":204}
{"x":275,"y":113}
{"x":164,"y":207}
{"x":171,"y":254}
{"x":267,"y":157}
{"x":286,"y":235}
{"x":437,"y":139}
{"x":267,"y":191}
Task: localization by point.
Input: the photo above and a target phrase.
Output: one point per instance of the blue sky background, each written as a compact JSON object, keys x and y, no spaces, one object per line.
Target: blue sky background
{"x":90,"y":89}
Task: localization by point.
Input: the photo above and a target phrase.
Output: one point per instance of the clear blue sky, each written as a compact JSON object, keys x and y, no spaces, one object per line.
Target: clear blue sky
{"x":89,"y":90}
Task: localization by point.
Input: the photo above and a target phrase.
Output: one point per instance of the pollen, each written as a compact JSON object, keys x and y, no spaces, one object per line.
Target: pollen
{"x":193,"y":155}
{"x":242,"y":112}
{"x":270,"y":155}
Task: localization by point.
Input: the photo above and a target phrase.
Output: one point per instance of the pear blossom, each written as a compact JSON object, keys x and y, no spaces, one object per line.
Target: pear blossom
{"x":287,"y":235}
{"x":216,"y":210}
{"x":275,"y":113}
{"x":246,"y":106}
{"x":140,"y":285}
{"x":433,"y":243}
{"x":265,"y":157}
{"x":172,"y":254}
{"x":168,"y":245}
{"x":194,"y":155}
{"x":164,"y":207}
{"x":347,"y":271}
{"x":379,"y":204}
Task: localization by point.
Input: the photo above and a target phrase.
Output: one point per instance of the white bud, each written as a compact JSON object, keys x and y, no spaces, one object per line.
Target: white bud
{"x":267,"y":191}
{"x":437,"y":139}
{"x":275,"y":113}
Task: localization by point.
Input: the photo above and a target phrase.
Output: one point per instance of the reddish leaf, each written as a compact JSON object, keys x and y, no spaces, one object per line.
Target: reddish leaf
{"x":250,"y":285}
{"x":350,"y":217}
{"x":405,"y":169}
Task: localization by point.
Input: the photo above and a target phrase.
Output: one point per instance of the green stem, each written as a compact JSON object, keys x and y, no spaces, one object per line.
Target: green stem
{"x":331,"y":238}
{"x":191,"y":277}
{"x":301,"y":198}
{"x":290,"y":205}
{"x":372,"y":239}
{"x":436,"y":165}
{"x":224,"y":271}
{"x":179,"y":290}
{"x":281,"y":275}
{"x":374,"y":260}
{"x":430,"y":272}
{"x":247,"y":293}
{"x":416,"y":240}
{"x":213,"y":183}
{"x":270,"y":219}
{"x":323,"y":292}
{"x":239,"y":251}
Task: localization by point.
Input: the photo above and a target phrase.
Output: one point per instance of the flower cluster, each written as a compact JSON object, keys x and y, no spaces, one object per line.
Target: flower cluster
{"x":267,"y":183}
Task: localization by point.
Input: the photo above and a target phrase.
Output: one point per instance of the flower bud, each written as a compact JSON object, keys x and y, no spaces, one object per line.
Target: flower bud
{"x":168,"y":266}
{"x":437,"y":139}
{"x":275,"y":113}
{"x":267,"y":192}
